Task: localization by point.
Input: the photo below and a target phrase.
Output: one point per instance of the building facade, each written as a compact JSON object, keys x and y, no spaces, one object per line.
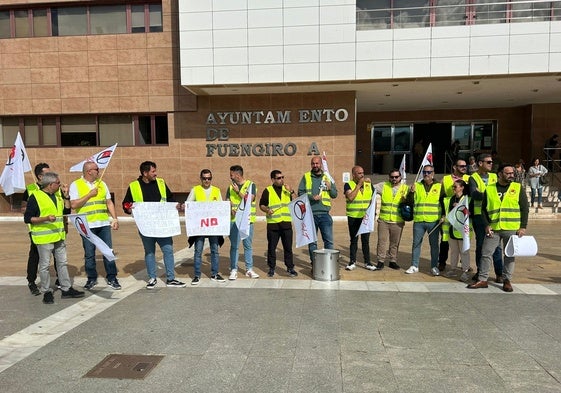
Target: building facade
{"x":195,"y":84}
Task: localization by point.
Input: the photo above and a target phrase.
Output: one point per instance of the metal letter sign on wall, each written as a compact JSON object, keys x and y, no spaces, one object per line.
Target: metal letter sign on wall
{"x":218,"y":132}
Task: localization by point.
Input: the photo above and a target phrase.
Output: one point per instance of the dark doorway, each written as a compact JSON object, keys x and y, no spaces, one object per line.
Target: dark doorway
{"x":439,"y":135}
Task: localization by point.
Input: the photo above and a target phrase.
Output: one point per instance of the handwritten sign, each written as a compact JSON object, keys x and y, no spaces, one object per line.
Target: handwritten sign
{"x":157,"y":219}
{"x":207,"y":218}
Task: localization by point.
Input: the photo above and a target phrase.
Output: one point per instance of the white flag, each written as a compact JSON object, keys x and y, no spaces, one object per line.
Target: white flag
{"x":326,"y":168}
{"x":367,"y":224}
{"x":427,"y":160}
{"x":243,"y":214}
{"x":402,"y":171}
{"x":81,"y":224}
{"x":459,"y":219}
{"x":13,"y":176}
{"x":101,"y":159}
{"x":303,"y":219}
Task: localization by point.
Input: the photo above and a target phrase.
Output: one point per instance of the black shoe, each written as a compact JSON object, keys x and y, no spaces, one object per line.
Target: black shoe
{"x":195,"y":281}
{"x":48,"y":298}
{"x":92,"y":282}
{"x":114,"y":284}
{"x":218,"y":278}
{"x":33,"y":289}
{"x":379,"y":265}
{"x":57,"y":284}
{"x":71,"y":293}
{"x":271,"y":273}
{"x":442,"y":267}
{"x":394,"y":266}
{"x":292,"y":273}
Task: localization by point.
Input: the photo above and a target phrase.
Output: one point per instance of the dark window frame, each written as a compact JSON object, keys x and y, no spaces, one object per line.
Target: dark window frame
{"x":155,"y":134}
{"x":128,"y":17}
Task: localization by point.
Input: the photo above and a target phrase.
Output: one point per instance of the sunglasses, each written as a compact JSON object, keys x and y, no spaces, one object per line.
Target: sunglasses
{"x":279,"y":177}
{"x":206,"y":178}
{"x":395,"y":177}
{"x":427,"y":172}
{"x":461,"y":166}
{"x":488,"y":162}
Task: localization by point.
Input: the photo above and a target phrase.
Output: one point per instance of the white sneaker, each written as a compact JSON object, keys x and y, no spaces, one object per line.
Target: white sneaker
{"x":435,"y":272}
{"x":412,"y":269}
{"x":370,"y":266}
{"x":350,"y":266}
{"x":233,"y":275}
{"x":251,"y":274}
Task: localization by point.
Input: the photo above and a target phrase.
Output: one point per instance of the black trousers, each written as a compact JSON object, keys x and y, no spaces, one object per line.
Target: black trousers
{"x":273,"y":236}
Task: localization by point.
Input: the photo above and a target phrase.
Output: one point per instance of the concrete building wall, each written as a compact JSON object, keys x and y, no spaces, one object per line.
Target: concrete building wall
{"x":238,"y":42}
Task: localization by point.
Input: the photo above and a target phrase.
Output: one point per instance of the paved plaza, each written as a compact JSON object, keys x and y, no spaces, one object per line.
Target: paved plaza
{"x":367,"y":332}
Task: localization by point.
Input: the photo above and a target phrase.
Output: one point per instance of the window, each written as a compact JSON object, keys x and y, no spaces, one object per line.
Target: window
{"x":31,"y":131}
{"x":402,"y":138}
{"x":488,"y":11}
{"x":450,"y":13}
{"x":10,"y":129}
{"x":116,"y":129}
{"x":525,"y":11}
{"x":21,"y":19}
{"x":155,"y":17}
{"x":152,"y":128}
{"x":82,"y":20}
{"x":5,"y":31}
{"x":49,"y":131}
{"x":86,"y":130}
{"x":161,"y":129}
{"x":138,"y":21}
{"x":69,"y":21}
{"x":411,"y":13}
{"x":108,"y":19}
{"x":78,"y":131}
{"x":373,"y":15}
{"x":40,"y":23}
{"x":382,"y":138}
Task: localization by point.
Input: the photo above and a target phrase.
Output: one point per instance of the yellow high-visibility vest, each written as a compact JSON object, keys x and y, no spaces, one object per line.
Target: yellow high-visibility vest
{"x":504,"y":214}
{"x":357,"y":208}
{"x":48,"y":232}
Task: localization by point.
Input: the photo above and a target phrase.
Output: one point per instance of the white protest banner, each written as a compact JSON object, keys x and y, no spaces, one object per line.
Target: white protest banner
{"x":207,"y":218}
{"x":101,"y":158}
{"x":81,"y":224}
{"x":13,"y":176}
{"x":402,"y":170}
{"x":304,"y":226}
{"x":367,"y":224}
{"x":156,"y":219}
{"x":243,"y":214}
{"x":427,"y":160}
{"x":459,"y":219}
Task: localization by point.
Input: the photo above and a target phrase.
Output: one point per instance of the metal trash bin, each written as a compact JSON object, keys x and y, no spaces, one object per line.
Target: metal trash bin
{"x":326,"y":265}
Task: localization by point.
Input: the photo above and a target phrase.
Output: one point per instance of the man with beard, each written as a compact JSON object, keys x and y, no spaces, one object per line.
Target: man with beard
{"x":390,"y":223}
{"x":504,"y":213}
{"x":358,"y":193}
{"x":320,"y":191}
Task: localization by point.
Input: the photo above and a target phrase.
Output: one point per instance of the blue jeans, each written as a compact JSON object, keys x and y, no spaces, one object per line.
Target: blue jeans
{"x":247,"y":247}
{"x":479,"y":229}
{"x":199,"y":246}
{"x":324,"y":223}
{"x":166,"y":245}
{"x":104,"y":233}
{"x":533,"y":195}
{"x":419,"y":229}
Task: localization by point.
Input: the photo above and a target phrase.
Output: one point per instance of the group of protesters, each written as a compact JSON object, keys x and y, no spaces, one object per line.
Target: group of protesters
{"x":497,"y":209}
